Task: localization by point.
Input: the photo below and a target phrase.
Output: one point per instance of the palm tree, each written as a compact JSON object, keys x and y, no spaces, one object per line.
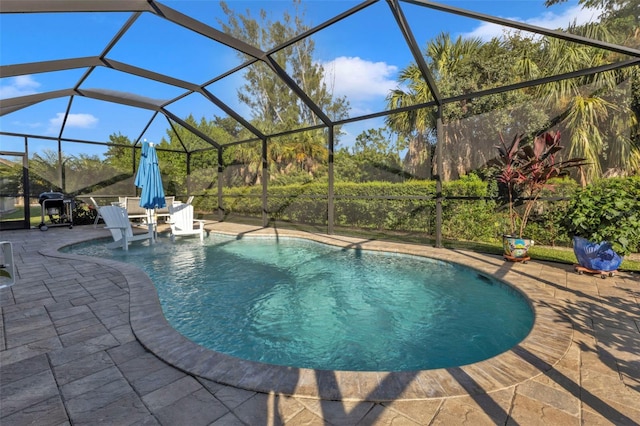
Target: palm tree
{"x":594,"y":110}
{"x":444,"y":58}
{"x":459,"y":67}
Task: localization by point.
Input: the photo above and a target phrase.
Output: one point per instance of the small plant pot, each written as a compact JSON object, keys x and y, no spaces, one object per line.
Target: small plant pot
{"x":515,"y":247}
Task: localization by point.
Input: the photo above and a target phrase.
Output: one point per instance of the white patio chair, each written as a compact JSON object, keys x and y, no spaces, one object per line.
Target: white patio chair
{"x":164,"y":211}
{"x":7,"y":265}
{"x":182,"y":222}
{"x":97,"y":207}
{"x":117,"y":222}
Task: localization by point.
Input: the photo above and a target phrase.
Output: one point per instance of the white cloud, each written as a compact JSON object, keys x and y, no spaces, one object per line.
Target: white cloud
{"x":83,"y":121}
{"x":577,"y":13}
{"x":358,"y":79}
{"x":549,"y":20}
{"x":19,"y":86}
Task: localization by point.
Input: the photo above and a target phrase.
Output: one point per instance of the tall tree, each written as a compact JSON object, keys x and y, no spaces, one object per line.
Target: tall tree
{"x":460,"y":66}
{"x":604,"y":119}
{"x":44,"y":172}
{"x":273,"y":105}
{"x":597,"y":111}
{"x":120,"y":155}
{"x":598,"y":114}
{"x":203,"y":161}
{"x":373,"y":157}
{"x":623,"y":12}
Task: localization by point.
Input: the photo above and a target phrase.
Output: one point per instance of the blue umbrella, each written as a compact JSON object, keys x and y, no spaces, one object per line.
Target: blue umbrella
{"x":143,"y":166}
{"x":148,"y":178}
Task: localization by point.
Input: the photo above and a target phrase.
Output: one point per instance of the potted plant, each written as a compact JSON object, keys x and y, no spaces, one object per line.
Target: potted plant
{"x":604,"y":221}
{"x":523,"y":171}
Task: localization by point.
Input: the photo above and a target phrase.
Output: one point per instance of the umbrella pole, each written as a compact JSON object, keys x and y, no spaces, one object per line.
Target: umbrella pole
{"x":152,"y":219}
{"x":155,"y":224}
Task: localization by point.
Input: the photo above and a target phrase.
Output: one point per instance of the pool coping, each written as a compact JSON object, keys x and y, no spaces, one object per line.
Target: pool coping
{"x":545,"y":345}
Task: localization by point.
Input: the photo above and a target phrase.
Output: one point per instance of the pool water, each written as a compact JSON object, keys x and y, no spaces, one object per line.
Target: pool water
{"x":304,"y":304}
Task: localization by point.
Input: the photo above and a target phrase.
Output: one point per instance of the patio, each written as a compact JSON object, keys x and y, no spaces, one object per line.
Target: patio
{"x":74,"y":334}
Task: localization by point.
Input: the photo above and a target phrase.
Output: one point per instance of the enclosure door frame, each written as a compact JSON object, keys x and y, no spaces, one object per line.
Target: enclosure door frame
{"x":25,"y":222}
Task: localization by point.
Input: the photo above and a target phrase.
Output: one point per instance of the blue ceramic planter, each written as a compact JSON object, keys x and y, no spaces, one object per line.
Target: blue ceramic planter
{"x":596,"y":256}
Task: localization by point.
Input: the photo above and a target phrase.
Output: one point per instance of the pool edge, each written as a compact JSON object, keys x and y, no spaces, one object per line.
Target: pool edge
{"x":546,"y":344}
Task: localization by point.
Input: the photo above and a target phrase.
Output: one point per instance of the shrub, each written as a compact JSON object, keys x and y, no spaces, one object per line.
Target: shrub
{"x":83,"y":213}
{"x":608,"y":210}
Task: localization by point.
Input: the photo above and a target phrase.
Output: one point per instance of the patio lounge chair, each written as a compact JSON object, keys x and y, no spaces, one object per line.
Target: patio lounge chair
{"x":182,"y":221}
{"x":117,"y":222}
{"x":163,"y":212}
{"x":134,"y":211}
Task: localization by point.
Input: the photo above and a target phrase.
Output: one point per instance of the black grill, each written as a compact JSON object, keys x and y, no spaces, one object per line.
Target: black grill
{"x":52,"y":202}
{"x":57,"y":207}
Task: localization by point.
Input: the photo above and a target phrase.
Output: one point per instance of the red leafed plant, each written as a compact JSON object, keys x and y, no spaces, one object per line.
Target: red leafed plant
{"x":525,"y":169}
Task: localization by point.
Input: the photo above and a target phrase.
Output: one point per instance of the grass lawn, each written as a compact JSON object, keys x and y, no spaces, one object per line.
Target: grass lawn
{"x":35,"y":210}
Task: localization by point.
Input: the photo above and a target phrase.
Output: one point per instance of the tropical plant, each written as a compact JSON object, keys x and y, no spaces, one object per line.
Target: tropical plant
{"x":524,"y":171}
{"x":607,"y":210}
{"x":595,"y":111}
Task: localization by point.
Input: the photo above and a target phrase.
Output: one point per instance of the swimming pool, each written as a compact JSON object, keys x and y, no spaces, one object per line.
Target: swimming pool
{"x":306,"y":304}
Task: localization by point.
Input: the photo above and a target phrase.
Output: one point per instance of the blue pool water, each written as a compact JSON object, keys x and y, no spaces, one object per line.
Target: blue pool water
{"x":304,"y":304}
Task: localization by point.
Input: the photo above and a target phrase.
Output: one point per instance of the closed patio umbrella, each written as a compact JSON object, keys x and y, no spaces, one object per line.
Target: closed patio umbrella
{"x":148,"y":178}
{"x":143,"y":166}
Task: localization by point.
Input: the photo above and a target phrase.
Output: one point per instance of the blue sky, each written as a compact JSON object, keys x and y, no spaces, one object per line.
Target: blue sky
{"x":362,"y":56}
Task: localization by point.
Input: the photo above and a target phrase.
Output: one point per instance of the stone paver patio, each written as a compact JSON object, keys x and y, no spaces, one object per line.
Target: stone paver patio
{"x":82,"y":341}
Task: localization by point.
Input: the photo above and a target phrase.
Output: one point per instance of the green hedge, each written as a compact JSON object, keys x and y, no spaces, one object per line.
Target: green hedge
{"x":405,"y":207}
{"x":408,"y":206}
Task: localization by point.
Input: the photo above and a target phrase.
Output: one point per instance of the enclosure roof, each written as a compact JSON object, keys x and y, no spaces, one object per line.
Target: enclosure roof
{"x":139,"y":55}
